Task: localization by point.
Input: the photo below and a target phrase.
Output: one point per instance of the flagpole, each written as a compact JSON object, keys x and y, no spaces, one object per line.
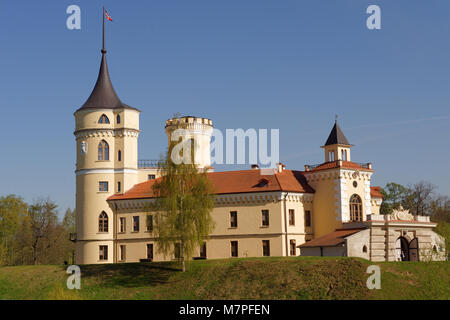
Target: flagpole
{"x":103,"y":48}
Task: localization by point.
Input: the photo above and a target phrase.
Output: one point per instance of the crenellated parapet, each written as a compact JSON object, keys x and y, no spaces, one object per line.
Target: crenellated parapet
{"x":194,"y":124}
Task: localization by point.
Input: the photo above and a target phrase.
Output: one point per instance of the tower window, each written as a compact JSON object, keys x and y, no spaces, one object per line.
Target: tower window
{"x":103,"y":253}
{"x":331,"y":156}
{"x":355,"y":208}
{"x":118,"y":186}
{"x":103,"y":222}
{"x":103,"y":119}
{"x":118,"y":118}
{"x":103,"y":151}
{"x":103,"y":186}
{"x":119,"y":155}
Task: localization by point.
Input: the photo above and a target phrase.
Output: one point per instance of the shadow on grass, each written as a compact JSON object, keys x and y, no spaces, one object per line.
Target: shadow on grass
{"x":129,"y":274}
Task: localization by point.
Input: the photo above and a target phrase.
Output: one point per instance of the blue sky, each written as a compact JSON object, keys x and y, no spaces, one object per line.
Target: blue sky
{"x":282,"y":64}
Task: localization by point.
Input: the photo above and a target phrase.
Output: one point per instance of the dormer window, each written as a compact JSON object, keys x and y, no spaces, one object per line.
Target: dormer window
{"x":263,"y":183}
{"x":103,"y":119}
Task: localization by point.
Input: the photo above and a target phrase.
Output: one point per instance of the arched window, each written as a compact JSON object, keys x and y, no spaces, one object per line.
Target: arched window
{"x":103,"y":222}
{"x":355,"y":208}
{"x":103,"y":119}
{"x":103,"y":150}
{"x":118,"y":118}
{"x":119,"y":155}
{"x":365,"y":249}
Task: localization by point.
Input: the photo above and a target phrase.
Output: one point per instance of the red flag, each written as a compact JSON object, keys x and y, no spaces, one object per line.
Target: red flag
{"x":107,"y":15}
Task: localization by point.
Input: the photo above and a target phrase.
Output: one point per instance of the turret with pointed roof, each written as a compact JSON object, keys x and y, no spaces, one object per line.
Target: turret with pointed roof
{"x":337,"y":146}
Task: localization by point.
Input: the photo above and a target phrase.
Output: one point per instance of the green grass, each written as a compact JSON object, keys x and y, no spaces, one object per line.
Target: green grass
{"x":252,"y":278}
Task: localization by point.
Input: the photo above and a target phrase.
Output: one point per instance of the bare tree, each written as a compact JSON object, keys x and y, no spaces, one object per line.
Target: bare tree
{"x":419,"y":199}
{"x":43,"y":219}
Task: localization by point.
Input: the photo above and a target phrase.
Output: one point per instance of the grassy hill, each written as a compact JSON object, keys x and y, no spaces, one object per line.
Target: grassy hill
{"x":253,"y":278}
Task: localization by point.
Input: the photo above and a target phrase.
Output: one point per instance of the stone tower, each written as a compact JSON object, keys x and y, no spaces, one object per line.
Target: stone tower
{"x":106,"y":132}
{"x":197,"y":129}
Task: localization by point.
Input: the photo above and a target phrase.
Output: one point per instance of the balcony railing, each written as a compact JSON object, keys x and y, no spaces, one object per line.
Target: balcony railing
{"x":313,"y":166}
{"x":147,"y":163}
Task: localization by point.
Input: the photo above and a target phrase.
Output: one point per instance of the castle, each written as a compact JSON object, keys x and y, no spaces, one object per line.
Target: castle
{"x":329,"y":209}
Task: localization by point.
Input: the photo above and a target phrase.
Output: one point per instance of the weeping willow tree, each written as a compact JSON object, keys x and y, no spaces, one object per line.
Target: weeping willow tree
{"x":183,"y":205}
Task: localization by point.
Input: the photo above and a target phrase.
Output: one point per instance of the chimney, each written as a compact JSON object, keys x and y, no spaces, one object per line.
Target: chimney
{"x":280,"y":167}
{"x":255,"y":167}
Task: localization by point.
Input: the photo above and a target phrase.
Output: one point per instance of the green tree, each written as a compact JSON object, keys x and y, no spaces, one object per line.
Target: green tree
{"x":394,"y":196}
{"x":13,"y":211}
{"x":183,"y":206}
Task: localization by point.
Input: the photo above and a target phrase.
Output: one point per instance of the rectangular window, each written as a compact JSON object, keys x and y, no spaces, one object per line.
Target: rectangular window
{"x":307,"y":218}
{"x":122,"y":225}
{"x":293,"y":248}
{"x":151,"y":176}
{"x":149,"y":223}
{"x":233,"y":219}
{"x":103,"y":253}
{"x":150,"y":251}
{"x":118,"y":186}
{"x":203,"y":250}
{"x":266,"y":248}
{"x":103,"y":186}
{"x":234,"y":248}
{"x":136,"y":224}
{"x":291,"y":217}
{"x":177,"y":250}
{"x":122,"y":253}
{"x":265,"y":218}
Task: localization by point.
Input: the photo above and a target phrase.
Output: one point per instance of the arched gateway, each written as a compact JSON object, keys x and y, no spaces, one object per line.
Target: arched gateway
{"x":406,"y":251}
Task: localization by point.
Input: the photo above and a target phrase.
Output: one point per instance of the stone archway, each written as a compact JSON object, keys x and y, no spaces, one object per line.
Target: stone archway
{"x":402,"y":249}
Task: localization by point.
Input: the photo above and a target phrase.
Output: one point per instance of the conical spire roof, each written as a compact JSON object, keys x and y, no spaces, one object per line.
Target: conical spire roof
{"x":104,"y":96}
{"x":336,"y":136}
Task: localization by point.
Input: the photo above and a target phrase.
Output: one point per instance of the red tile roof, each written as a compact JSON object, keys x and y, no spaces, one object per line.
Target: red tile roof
{"x":375,"y":192}
{"x":226,"y":182}
{"x":332,"y":239}
{"x":335,"y":164}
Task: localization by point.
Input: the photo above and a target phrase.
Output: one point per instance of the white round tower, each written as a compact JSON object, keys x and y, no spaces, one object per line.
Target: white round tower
{"x":200,"y":131}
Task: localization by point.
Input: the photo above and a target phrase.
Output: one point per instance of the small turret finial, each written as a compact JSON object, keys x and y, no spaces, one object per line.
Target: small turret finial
{"x":335,"y":118}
